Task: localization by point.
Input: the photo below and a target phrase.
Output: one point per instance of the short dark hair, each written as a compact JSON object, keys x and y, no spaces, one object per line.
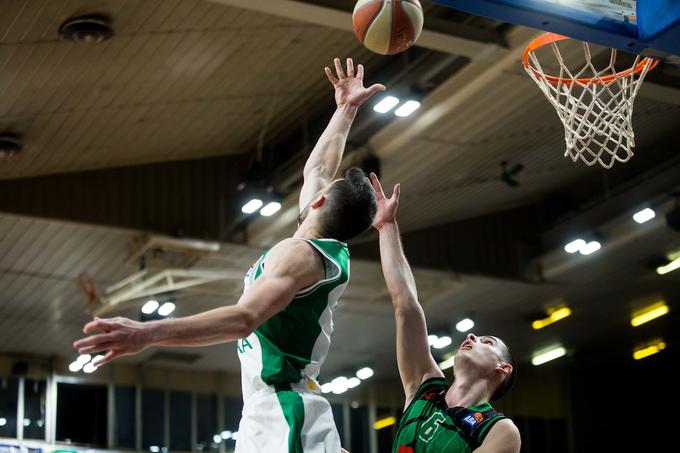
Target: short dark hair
{"x":350,"y":206}
{"x":509,"y":380}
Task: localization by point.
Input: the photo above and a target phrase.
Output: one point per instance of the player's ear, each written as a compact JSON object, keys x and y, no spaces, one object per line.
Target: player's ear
{"x":504,"y":368}
{"x":318,"y":201}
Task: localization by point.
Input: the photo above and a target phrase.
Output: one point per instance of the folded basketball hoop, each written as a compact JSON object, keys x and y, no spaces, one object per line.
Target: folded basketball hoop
{"x":595,"y":106}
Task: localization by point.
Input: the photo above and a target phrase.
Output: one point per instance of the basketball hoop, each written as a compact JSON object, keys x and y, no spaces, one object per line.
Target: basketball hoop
{"x":595,"y":106}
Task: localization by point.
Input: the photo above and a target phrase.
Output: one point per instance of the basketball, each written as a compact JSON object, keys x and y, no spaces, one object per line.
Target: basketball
{"x":388,"y":27}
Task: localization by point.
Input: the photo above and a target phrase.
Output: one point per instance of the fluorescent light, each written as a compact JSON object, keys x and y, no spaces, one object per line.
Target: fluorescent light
{"x":353,"y":382}
{"x":27,"y":422}
{"x":149,"y":307}
{"x":670,"y":267}
{"x":327,"y":388}
{"x":339,"y":385}
{"x":154,"y":449}
{"x":442,"y":342}
{"x":431,"y":339}
{"x":217,"y":438}
{"x":386,"y":104}
{"x":84,"y":358}
{"x":365,"y":373}
{"x":407,"y":109}
{"x":574,"y":246}
{"x":590,"y":247}
{"x":448,"y":363}
{"x":89,"y":368}
{"x":74,"y":367}
{"x":234,"y":435}
{"x":465,"y":325}
{"x":644,"y":215}
{"x":649,"y":313}
{"x":555,"y":316}
{"x":384,"y":422}
{"x":226,"y":435}
{"x":252,"y":206}
{"x":166,"y":309}
{"x":271,"y":209}
{"x":3,"y":421}
{"x":544,"y":356}
{"x":641,"y":353}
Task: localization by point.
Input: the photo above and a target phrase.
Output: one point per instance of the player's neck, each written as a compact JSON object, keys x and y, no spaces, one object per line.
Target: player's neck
{"x":467,"y":392}
{"x":306,"y":231}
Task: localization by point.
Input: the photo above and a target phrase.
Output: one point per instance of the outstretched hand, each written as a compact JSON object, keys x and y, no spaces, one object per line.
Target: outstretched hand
{"x":119,"y":337}
{"x":387,"y":207}
{"x":349,"y":88}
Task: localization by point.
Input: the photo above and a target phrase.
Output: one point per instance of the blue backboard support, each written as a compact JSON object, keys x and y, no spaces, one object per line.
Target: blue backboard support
{"x":649,"y":27}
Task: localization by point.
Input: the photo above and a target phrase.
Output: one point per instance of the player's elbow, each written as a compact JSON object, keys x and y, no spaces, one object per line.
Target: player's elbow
{"x":246,"y":323}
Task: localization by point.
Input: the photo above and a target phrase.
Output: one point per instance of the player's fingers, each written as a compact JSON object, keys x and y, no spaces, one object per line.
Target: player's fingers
{"x":97,"y":324}
{"x":376,"y":88}
{"x":350,"y":67}
{"x":338,"y":69}
{"x":376,"y":184}
{"x":330,"y":75}
{"x":396,"y":192}
{"x":360,"y":72}
{"x":95,"y":348}
{"x":93,"y":341}
{"x":107,"y":358}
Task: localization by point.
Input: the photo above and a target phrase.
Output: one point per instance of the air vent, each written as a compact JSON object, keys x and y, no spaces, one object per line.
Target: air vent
{"x":10,"y":144}
{"x":90,"y":29}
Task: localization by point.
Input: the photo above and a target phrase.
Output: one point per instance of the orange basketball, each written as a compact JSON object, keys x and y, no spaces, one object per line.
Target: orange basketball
{"x":388,"y":26}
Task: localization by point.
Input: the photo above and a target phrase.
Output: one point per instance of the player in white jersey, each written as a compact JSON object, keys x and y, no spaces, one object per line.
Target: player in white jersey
{"x":283,"y":320}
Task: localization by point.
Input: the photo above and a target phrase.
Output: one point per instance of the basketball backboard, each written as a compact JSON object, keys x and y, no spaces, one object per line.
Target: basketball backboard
{"x":647,"y":27}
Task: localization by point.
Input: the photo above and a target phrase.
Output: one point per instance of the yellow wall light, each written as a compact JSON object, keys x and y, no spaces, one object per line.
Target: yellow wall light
{"x":555,"y":315}
{"x":384,"y":422}
{"x":646,"y":351}
{"x":649,"y":313}
{"x":668,"y":268}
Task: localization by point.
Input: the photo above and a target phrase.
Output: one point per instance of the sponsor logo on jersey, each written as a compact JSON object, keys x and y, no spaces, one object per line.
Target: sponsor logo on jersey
{"x":479,"y":417}
{"x":470,"y":420}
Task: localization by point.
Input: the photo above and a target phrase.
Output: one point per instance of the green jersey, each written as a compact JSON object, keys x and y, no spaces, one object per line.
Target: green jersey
{"x":291,"y":346}
{"x":429,"y":426}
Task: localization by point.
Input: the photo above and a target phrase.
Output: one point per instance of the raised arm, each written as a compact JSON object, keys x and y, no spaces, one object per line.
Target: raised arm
{"x":291,"y":266}
{"x":324,"y":161}
{"x":413,"y":350}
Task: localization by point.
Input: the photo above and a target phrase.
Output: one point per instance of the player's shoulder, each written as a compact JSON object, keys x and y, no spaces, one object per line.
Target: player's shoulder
{"x":503,"y":432}
{"x":293,"y":255}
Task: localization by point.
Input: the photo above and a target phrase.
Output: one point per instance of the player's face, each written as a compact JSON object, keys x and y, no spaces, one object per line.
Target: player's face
{"x":483,"y":353}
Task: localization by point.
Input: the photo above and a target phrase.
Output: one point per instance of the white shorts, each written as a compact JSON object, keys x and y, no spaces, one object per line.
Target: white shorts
{"x":287,"y":421}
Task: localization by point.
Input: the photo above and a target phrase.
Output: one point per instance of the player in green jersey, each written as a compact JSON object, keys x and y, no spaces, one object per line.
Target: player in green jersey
{"x":439,"y":418}
{"x":283,"y":321}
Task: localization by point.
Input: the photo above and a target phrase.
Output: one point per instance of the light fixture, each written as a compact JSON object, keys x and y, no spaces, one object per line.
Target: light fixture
{"x":384,"y":422}
{"x":649,"y":313}
{"x":365,"y":373}
{"x":590,"y":248}
{"x":234,"y":435}
{"x":465,"y":325}
{"x":407,"y":109}
{"x":76,"y":366}
{"x":668,"y":268}
{"x":641,"y":353}
{"x":270,"y":209}
{"x":327,"y":388}
{"x":3,"y":421}
{"x":353,"y":382}
{"x":442,"y":342}
{"x":448,"y":363}
{"x":431,"y":339}
{"x":154,"y":449}
{"x":251,"y":206}
{"x":166,"y":309}
{"x":217,"y":438}
{"x":644,"y":216}
{"x":89,"y":368}
{"x":150,"y":307}
{"x":27,"y":422}
{"x":225,"y":434}
{"x":386,"y":104}
{"x":339,"y":385}
{"x":554,"y":316}
{"x":574,"y":246}
{"x":546,"y":355}
{"x":84,"y":358}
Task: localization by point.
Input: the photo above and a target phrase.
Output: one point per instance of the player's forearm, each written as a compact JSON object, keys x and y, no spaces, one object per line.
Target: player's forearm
{"x":211,"y":327}
{"x":327,"y":154}
{"x":398,"y":275}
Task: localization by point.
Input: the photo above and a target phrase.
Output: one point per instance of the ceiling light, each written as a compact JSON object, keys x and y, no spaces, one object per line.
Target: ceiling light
{"x":88,"y":29}
{"x":89,"y":368}
{"x":353,"y":382}
{"x":217,"y":438}
{"x":76,"y":366}
{"x":327,"y":388}
{"x":365,"y":373}
{"x":574,"y":246}
{"x":384,"y":422}
{"x":652,"y":349}
{"x":84,"y":358}
{"x":234,"y":435}
{"x":3,"y":421}
{"x":251,"y":206}
{"x":442,"y":342}
{"x":668,"y":268}
{"x":166,"y":309}
{"x":154,"y":449}
{"x":27,"y":422}
{"x":271,"y":209}
{"x":465,"y":325}
{"x":339,"y":385}
{"x":386,"y":104}
{"x":590,"y":248}
{"x":448,"y":363}
{"x":546,"y":355}
{"x":555,"y":316}
{"x":647,"y":314}
{"x":407,"y":109}
{"x":644,"y":215}
{"x":149,"y":307}
{"x":431,"y":339}
{"x":225,"y":435}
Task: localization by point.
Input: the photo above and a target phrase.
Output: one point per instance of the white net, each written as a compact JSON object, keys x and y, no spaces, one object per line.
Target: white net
{"x":595,"y":106}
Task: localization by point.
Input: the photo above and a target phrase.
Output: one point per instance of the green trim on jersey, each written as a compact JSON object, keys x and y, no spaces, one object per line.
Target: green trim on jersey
{"x":287,"y":339}
{"x":294,"y":412}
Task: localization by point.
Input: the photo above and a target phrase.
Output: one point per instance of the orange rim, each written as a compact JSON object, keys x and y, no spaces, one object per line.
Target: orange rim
{"x":549,"y":38}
